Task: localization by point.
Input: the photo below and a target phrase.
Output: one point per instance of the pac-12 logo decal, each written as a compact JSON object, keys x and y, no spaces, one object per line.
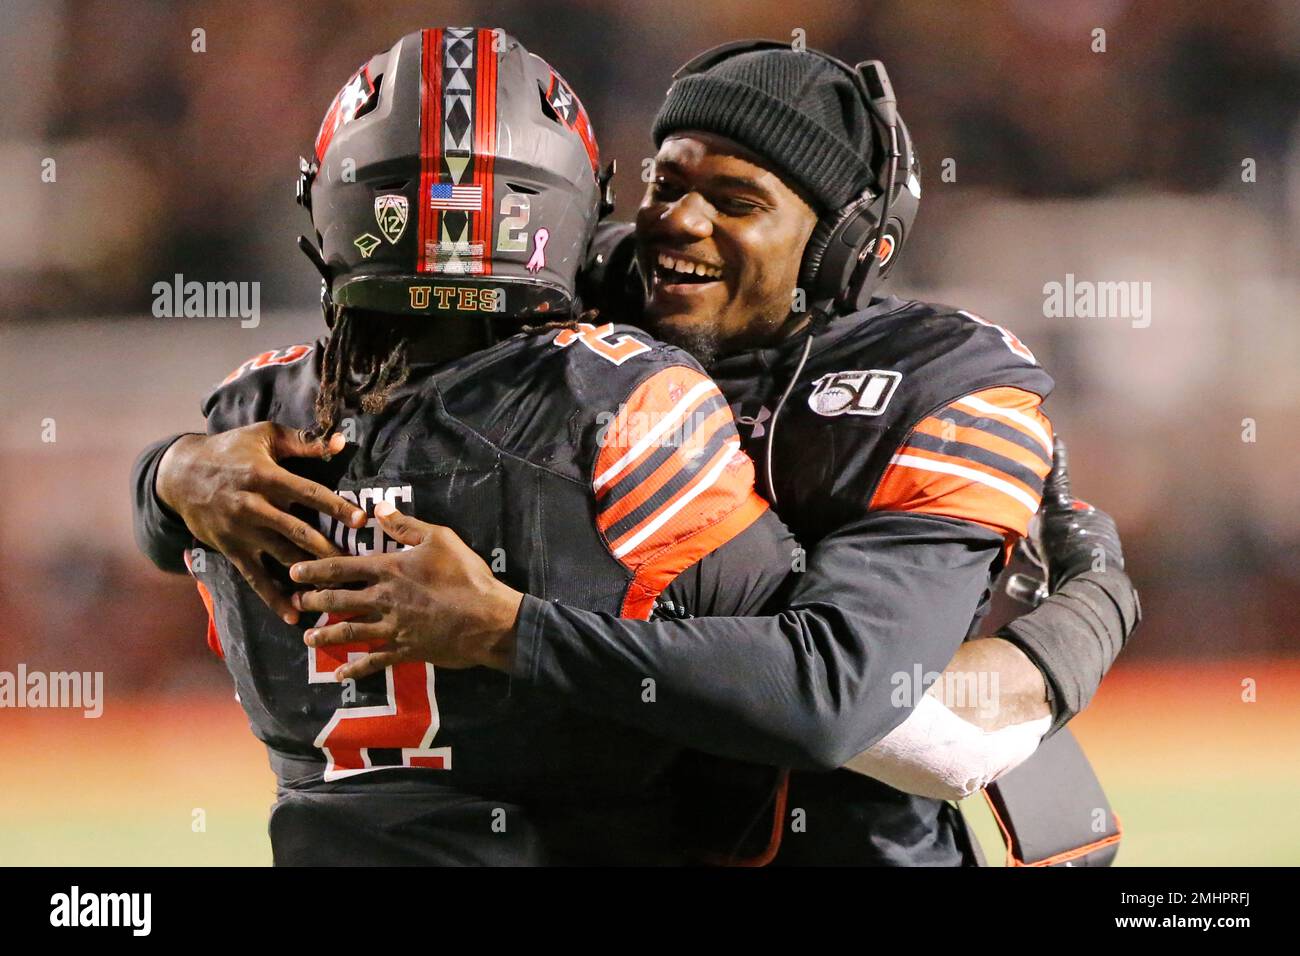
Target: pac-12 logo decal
{"x":854,"y":393}
{"x":391,"y":213}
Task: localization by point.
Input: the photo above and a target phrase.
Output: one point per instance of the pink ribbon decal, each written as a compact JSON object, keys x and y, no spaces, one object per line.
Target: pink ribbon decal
{"x":538,"y":261}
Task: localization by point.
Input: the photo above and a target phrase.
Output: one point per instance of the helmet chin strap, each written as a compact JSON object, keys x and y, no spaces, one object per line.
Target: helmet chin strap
{"x":326,"y":303}
{"x":310,"y":251}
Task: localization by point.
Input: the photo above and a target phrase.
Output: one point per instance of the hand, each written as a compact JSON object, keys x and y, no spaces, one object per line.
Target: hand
{"x":233,"y":495}
{"x":1072,"y":537}
{"x":435,"y":601}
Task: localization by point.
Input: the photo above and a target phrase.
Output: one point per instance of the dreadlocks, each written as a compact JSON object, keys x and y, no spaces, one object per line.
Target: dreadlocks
{"x":367,"y":357}
{"x":364,"y":360}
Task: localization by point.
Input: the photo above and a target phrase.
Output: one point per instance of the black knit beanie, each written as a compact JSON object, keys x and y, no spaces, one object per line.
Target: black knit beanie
{"x":795,"y":109}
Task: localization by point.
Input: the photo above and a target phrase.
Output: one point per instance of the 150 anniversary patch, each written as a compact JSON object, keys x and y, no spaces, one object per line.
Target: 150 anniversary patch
{"x":865,"y":392}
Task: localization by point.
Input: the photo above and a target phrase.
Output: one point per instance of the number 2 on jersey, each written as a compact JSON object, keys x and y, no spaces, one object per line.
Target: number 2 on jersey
{"x":618,"y":351}
{"x":406,"y":723}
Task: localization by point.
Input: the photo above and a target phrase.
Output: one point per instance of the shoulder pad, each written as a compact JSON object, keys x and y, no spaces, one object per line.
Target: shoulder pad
{"x":287,"y":378}
{"x":536,"y":388}
{"x":873,"y":380}
{"x":952,"y":351}
{"x":936,"y":355}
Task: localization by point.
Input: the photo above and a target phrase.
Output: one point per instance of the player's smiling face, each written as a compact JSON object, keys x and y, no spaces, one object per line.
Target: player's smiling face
{"x":720,"y":237}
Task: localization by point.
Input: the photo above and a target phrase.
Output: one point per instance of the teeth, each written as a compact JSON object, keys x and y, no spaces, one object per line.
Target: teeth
{"x":689,"y":268}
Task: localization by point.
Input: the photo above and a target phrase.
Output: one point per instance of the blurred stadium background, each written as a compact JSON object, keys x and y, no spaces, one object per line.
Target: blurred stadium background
{"x":1125,"y":165}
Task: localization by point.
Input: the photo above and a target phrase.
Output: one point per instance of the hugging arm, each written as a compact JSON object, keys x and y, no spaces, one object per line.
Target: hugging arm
{"x":883,"y":602}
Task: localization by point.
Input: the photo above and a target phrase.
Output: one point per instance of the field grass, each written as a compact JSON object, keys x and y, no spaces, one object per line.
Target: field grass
{"x":1197,"y":775}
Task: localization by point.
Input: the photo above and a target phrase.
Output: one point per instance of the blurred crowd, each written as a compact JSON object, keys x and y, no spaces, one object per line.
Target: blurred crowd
{"x":171,"y":160}
{"x":1164,"y":148}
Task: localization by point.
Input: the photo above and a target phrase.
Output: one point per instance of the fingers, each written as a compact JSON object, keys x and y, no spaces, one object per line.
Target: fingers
{"x":340,"y":601}
{"x":301,"y":535}
{"x":347,"y":632}
{"x":1056,"y":490}
{"x":371,"y":664}
{"x":279,"y":549}
{"x":265,"y":587}
{"x":400,"y":527}
{"x":293,"y":443}
{"x":338,"y":570}
{"x":316,"y":497}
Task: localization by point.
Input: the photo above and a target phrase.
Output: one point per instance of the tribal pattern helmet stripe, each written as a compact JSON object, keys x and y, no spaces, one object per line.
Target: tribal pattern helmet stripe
{"x":430,"y":137}
{"x":485,"y":139}
{"x":458,"y":136}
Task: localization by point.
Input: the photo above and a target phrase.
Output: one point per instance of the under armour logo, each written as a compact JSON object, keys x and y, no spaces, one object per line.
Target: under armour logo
{"x":755,"y":422}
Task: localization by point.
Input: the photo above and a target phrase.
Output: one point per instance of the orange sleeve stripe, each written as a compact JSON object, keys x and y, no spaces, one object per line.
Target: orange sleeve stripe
{"x":939,"y":428}
{"x":659,"y":569}
{"x":920,"y":490}
{"x":679,"y":459}
{"x":923,"y":459}
{"x":718,"y":481}
{"x":993,"y":481}
{"x":1011,"y":406}
{"x":672,"y":481}
{"x":659,"y":406}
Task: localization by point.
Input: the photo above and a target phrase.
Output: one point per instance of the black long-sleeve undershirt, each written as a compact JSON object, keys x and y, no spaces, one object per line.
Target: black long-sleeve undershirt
{"x":883,"y":602}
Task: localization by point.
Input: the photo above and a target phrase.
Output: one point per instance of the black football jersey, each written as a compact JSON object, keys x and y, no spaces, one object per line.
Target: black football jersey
{"x":909,"y":407}
{"x":908,"y":459}
{"x":587,"y":465}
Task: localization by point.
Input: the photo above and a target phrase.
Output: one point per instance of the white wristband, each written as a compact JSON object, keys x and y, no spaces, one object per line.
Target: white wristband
{"x":934,"y":753}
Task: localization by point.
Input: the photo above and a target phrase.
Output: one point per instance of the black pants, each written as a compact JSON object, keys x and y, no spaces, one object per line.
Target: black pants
{"x":851,"y":820}
{"x":314,"y":828}
{"x":379,"y":826}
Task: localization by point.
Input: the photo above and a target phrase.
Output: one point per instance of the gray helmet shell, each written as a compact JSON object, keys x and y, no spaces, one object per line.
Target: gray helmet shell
{"x":454,"y":174}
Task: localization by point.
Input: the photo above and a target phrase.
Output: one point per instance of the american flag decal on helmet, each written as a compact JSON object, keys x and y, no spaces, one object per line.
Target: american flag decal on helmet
{"x":448,"y":197}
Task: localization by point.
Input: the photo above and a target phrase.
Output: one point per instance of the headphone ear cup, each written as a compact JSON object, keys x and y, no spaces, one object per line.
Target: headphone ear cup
{"x":834,"y":248}
{"x":813,"y":254}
